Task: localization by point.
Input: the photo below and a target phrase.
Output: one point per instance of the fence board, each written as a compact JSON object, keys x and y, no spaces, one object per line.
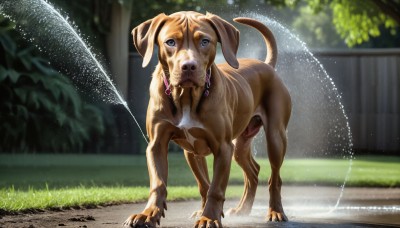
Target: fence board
{"x":369,"y":82}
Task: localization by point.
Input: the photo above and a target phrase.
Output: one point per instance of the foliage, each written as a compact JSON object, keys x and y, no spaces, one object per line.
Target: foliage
{"x":356,"y":21}
{"x":39,"y":108}
{"x":146,"y":9}
{"x":92,"y":17}
{"x":315,"y":28}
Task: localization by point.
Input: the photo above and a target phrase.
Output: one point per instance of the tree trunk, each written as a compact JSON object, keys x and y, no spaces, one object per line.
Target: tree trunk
{"x":117,"y":44}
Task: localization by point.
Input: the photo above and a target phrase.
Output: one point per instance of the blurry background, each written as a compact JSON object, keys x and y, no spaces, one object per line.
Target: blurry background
{"x":41,"y":111}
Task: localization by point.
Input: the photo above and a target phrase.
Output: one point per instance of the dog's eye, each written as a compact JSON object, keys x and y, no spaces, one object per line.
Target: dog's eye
{"x":170,"y":42}
{"x":205,"y":42}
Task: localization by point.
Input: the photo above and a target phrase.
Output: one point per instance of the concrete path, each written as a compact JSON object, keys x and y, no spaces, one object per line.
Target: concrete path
{"x":304,"y":206}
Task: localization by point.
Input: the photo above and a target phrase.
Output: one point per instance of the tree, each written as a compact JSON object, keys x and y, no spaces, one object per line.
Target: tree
{"x":356,"y":21}
{"x":316,"y":29}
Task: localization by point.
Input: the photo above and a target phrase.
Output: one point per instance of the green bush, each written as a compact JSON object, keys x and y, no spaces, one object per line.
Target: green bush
{"x":40,"y":110}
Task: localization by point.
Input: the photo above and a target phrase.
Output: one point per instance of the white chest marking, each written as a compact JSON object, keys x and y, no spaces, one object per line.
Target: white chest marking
{"x":189,"y":137}
{"x":186,"y":123}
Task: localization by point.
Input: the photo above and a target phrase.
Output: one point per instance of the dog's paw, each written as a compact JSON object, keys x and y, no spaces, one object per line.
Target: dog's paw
{"x":205,"y":222}
{"x":274,"y":216}
{"x":148,"y":218}
{"x":238,"y":211}
{"x":139,"y":221}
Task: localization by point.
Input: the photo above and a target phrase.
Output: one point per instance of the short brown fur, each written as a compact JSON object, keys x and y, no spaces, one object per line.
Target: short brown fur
{"x":244,"y":95}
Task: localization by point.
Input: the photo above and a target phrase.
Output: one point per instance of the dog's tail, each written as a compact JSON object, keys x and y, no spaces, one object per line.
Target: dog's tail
{"x":272,"y":50}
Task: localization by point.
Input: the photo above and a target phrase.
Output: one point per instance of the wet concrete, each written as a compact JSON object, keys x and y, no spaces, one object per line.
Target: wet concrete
{"x":304,"y":206}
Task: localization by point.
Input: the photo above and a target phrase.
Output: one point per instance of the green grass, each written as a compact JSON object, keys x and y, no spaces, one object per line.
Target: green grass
{"x":58,"y":181}
{"x":33,"y":200}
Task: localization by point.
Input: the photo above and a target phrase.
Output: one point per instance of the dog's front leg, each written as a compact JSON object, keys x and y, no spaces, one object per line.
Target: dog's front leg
{"x":213,"y":209}
{"x":199,"y":168}
{"x":156,"y":154}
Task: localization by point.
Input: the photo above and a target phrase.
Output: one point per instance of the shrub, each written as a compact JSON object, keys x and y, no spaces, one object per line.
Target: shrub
{"x":40,"y":110}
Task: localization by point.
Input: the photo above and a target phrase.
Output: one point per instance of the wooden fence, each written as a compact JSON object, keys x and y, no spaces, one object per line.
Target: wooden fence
{"x":368,"y":79}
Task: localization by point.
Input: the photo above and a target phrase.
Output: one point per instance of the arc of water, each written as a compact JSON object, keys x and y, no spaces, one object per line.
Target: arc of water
{"x":325,"y":76}
{"x":123,"y":102}
{"x":341,"y":108}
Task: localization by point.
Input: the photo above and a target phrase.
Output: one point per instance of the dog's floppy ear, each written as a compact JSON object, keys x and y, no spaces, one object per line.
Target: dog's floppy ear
{"x":228,"y":36}
{"x":144,"y":36}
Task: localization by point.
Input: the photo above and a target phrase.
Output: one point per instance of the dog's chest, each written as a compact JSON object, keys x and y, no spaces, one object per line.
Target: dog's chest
{"x":187,"y":121}
{"x":191,"y":133}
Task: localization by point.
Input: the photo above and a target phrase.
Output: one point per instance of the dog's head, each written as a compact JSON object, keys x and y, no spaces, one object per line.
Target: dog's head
{"x":187,"y":44}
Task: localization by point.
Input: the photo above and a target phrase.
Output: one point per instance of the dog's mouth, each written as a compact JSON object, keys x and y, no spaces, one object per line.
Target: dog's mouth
{"x":191,"y":79}
{"x":186,"y":80}
{"x":186,"y":83}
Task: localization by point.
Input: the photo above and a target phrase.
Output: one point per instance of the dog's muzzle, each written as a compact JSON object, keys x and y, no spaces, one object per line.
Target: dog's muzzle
{"x":207,"y":84}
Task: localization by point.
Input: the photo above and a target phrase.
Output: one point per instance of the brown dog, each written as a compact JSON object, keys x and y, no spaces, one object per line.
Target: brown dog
{"x":210,"y":109}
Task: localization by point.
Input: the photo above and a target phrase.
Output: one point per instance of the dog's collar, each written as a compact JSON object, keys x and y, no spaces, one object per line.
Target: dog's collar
{"x":207,"y":85}
{"x":167,"y":87}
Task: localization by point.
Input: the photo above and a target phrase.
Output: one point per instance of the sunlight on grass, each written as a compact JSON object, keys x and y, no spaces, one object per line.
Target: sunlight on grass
{"x":61,"y":181}
{"x":17,"y":200}
{"x":13,"y":200}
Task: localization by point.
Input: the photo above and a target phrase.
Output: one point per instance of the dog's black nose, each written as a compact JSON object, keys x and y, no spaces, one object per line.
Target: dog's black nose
{"x":189,"y":65}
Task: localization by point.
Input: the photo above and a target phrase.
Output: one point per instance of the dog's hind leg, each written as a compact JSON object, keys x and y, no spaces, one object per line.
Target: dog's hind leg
{"x":198,"y":166}
{"x":276,"y":140}
{"x":275,"y":123}
{"x":243,"y":156}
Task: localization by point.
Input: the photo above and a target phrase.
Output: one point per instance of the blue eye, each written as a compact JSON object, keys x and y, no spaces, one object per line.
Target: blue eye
{"x":205,"y":42}
{"x":170,"y":42}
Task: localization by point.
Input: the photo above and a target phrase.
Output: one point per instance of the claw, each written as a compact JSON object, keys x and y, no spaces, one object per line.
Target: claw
{"x":153,"y":214}
{"x":274,"y":216}
{"x":197,"y":224}
{"x":205,"y":222}
{"x":125,"y":224}
{"x":148,"y":218}
{"x":128,"y":222}
{"x":196,"y":214}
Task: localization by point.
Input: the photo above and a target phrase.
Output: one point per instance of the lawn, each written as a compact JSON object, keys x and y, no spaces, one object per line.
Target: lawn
{"x":54,"y":181}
